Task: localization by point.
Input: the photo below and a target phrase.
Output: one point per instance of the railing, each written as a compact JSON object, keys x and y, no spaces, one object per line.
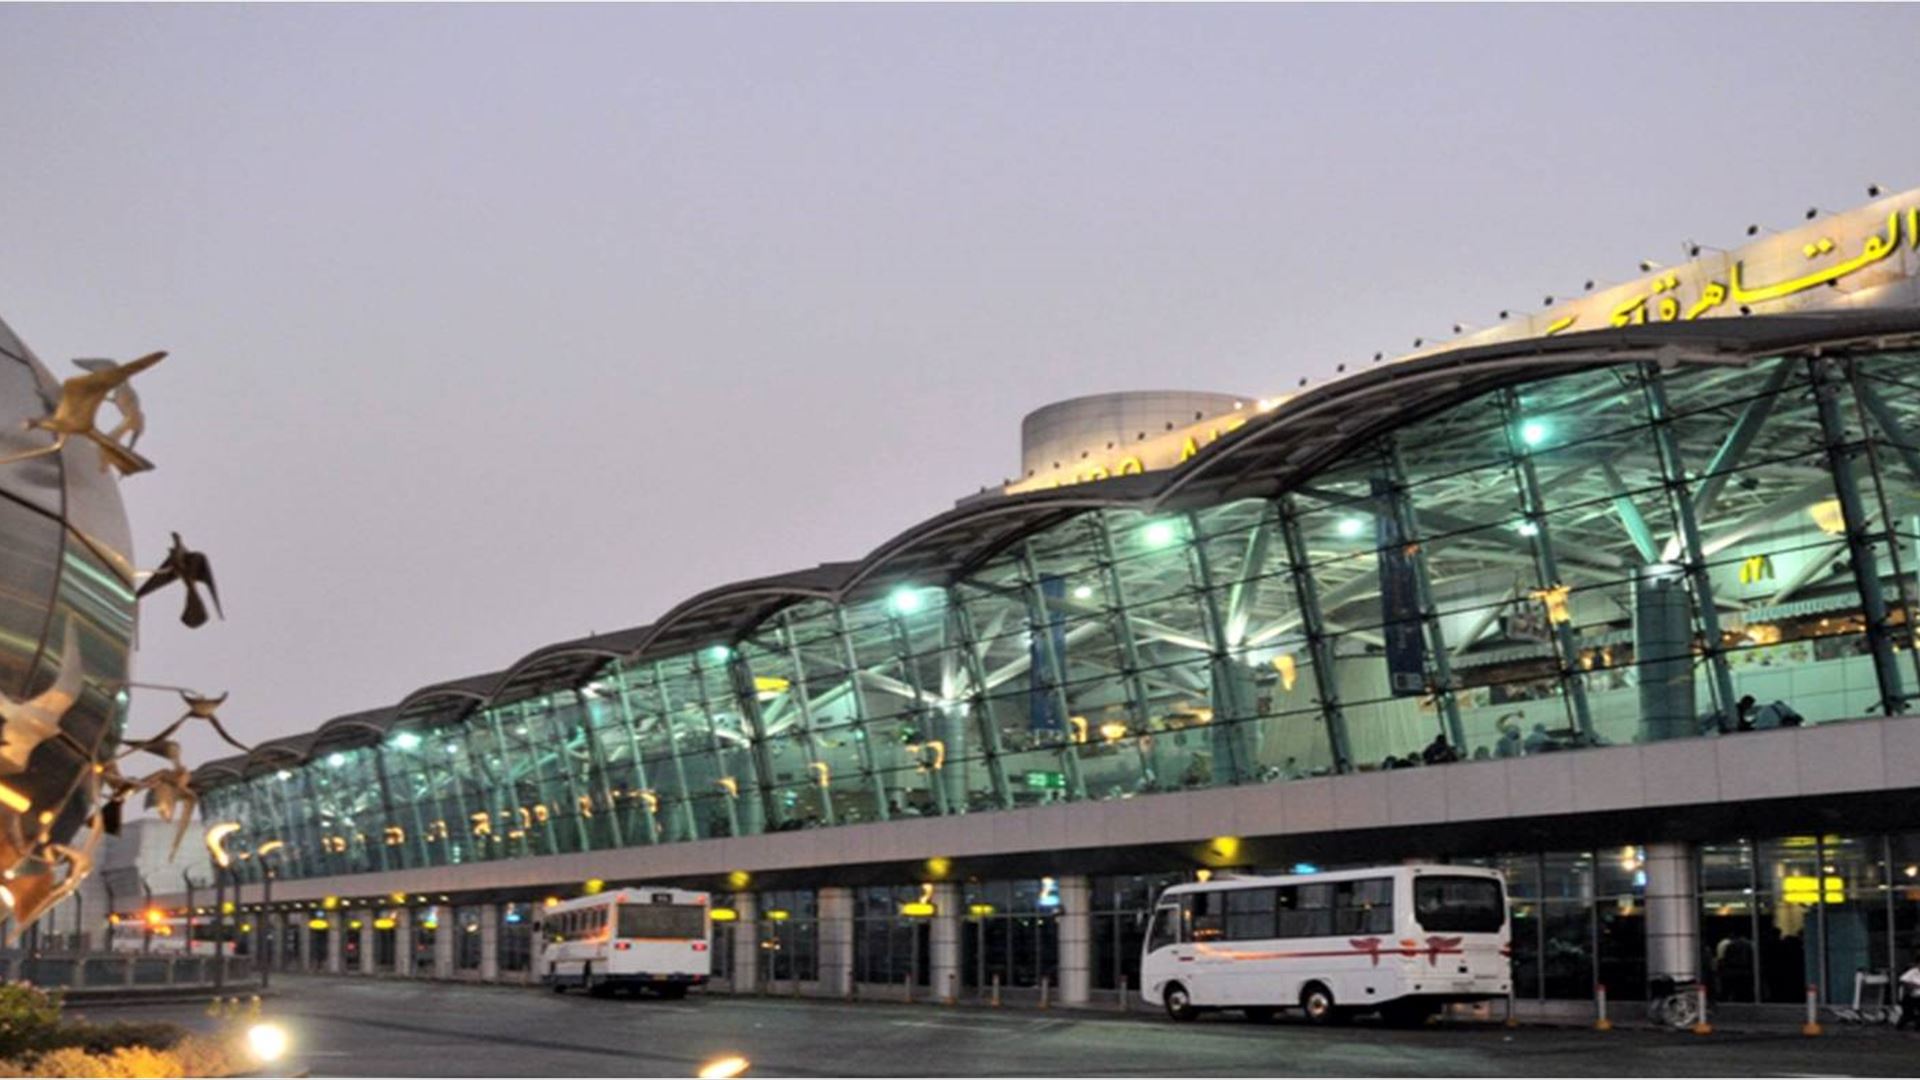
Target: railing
{"x":127,"y":971}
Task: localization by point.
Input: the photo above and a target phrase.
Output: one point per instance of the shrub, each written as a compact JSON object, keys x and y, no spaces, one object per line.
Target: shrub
{"x":29,"y":1019}
{"x":108,"y":1037}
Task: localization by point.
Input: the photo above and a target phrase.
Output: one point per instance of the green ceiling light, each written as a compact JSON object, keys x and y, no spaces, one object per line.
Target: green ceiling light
{"x":906,"y":600}
{"x":719,"y":654}
{"x":406,"y":740}
{"x":1533,"y":432}
{"x":1159,"y":533}
{"x":1351,"y":527}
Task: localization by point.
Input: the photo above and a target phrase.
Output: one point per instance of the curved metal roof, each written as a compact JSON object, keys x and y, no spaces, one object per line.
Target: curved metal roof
{"x":1268,"y":455}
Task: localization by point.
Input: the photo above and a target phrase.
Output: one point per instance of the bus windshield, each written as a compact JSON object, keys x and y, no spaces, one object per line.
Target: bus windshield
{"x":1469,"y":905}
{"x":683,"y":921}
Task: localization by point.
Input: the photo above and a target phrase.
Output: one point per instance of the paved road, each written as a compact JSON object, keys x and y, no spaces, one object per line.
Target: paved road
{"x":349,"y":1027}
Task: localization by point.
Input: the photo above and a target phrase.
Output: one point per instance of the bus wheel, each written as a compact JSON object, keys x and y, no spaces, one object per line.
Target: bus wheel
{"x":1260,"y":1015}
{"x":1180,"y":1003}
{"x":1317,"y":1002}
{"x":672,"y":991}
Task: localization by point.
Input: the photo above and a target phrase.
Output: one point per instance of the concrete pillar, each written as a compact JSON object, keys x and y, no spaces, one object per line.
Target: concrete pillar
{"x":336,"y":944}
{"x":403,"y":942}
{"x":275,"y":925}
{"x":443,"y":939}
{"x":746,"y":943}
{"x":490,"y":942}
{"x":943,"y":943}
{"x":367,"y":963}
{"x":835,"y":905}
{"x":301,"y":958}
{"x":1074,"y":924}
{"x":1673,"y":911}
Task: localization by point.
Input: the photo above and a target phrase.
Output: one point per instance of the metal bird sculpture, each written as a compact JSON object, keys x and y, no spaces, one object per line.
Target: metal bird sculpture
{"x":133,"y":422}
{"x":191,"y":569}
{"x":198,"y":708}
{"x":79,"y":408}
{"x":170,"y":791}
{"x":24,"y":725}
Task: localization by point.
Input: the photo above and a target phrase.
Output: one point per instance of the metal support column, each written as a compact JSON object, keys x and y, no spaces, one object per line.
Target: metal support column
{"x":722,"y":754}
{"x":649,"y":819}
{"x":1407,"y":521}
{"x":876,"y":784}
{"x":802,"y":700}
{"x":591,"y":710}
{"x":917,"y":707}
{"x":1827,"y":387}
{"x":688,"y":821}
{"x":1674,"y":475}
{"x":1540,"y":534}
{"x":1905,"y":575}
{"x":747,"y":694}
{"x":1313,"y":625}
{"x":1122,"y":624}
{"x":1229,"y":732}
{"x":1040,"y":623}
{"x":970,"y":647}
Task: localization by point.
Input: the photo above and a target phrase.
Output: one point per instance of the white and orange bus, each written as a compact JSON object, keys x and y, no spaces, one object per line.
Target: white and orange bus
{"x":639,"y":937}
{"x":1399,"y":940}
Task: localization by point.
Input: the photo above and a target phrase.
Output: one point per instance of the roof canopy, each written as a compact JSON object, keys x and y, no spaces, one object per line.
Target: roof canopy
{"x":1273,"y":453}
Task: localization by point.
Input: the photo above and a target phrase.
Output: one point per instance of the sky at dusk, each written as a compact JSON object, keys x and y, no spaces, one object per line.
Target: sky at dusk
{"x":495,"y":326}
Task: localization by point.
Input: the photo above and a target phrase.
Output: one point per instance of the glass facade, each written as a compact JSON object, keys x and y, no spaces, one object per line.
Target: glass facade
{"x":1010,"y":936}
{"x":1776,"y":916}
{"x":789,"y":937}
{"x":1621,"y":554}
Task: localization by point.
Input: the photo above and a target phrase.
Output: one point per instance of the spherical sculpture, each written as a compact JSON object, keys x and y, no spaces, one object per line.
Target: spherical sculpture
{"x":67,"y":619}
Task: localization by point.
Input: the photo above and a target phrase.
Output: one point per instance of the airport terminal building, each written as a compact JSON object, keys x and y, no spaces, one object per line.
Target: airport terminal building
{"x":1616,"y":597}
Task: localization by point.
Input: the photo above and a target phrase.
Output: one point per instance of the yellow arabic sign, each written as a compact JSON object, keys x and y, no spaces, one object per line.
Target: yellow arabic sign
{"x":1791,"y":267}
{"x":1852,"y":260}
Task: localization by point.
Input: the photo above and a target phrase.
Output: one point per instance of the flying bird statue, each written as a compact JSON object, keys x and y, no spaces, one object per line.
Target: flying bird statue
{"x":170,"y":790}
{"x":78,"y":410}
{"x":133,"y":422}
{"x":24,"y":725}
{"x":191,"y":569}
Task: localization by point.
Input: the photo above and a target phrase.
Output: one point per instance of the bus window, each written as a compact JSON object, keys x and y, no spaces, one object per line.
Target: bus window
{"x":1364,"y":907}
{"x":1205,"y":915}
{"x":1249,"y":914}
{"x":1469,"y":905}
{"x":677,"y":921}
{"x":1306,"y":910}
{"x":1165,"y":930}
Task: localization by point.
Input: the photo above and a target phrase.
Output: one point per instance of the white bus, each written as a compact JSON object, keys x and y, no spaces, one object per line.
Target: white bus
{"x":1399,"y":940}
{"x":640,"y":937}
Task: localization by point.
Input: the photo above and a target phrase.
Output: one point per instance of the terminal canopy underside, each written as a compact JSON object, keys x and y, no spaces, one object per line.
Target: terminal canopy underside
{"x":1611,"y":538}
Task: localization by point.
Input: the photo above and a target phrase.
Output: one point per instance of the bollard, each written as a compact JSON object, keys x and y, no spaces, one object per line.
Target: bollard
{"x":1046,"y":989}
{"x":1125,"y":1004}
{"x":995,"y":999}
{"x":953,"y":989}
{"x":1812,"y":1026}
{"x":1700,"y":1026}
{"x":909,"y":989}
{"x":1512,"y":1020}
{"x":1600,"y":1004}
